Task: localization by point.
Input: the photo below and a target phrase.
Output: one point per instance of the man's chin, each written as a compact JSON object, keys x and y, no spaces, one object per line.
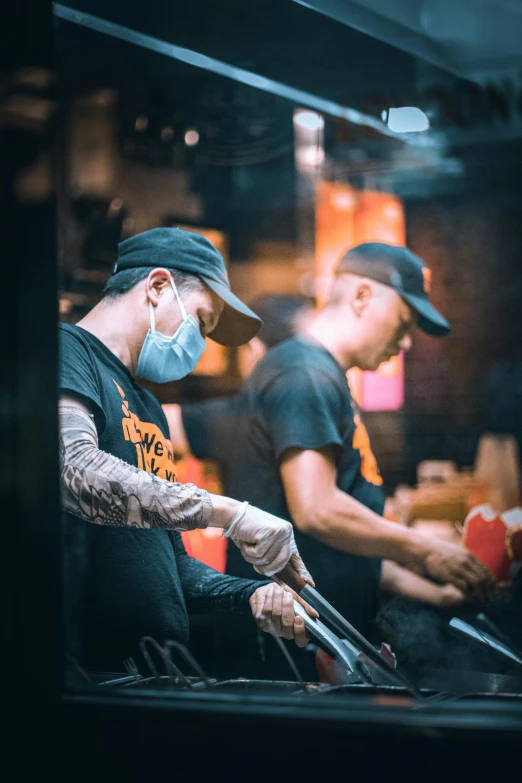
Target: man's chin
{"x":373,"y":366}
{"x":370,"y":365}
{"x":387,"y":358}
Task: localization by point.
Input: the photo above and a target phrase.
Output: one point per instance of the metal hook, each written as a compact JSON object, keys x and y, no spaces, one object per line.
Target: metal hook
{"x":79,"y":668}
{"x":165,"y":657}
{"x":297,"y":674}
{"x":190,"y":658}
{"x":132,"y":669}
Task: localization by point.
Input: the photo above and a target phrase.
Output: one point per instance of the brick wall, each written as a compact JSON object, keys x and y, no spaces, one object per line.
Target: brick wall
{"x":473,"y":243}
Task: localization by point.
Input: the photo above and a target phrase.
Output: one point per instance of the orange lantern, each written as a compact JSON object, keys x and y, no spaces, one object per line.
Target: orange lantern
{"x":346,"y":217}
{"x":206,"y":545}
{"x":214,"y":359}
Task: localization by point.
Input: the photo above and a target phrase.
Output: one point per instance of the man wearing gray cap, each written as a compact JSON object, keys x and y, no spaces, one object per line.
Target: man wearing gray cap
{"x":128,"y":573}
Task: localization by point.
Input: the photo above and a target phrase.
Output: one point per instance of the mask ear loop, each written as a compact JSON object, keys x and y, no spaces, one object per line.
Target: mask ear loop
{"x":152,"y":318}
{"x":180,"y":303}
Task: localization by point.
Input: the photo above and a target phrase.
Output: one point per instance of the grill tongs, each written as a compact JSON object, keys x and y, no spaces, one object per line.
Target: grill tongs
{"x":340,"y":638}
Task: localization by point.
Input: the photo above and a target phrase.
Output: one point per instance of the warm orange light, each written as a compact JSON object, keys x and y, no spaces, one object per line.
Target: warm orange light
{"x":205,"y":545}
{"x":380,"y":218}
{"x":383,"y":390}
{"x":218,"y":238}
{"x":355,"y":382}
{"x":335,"y":210}
{"x":214,"y":359}
{"x":346,"y":217}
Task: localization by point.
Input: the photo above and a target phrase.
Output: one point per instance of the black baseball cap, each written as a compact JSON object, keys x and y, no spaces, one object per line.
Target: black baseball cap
{"x":187,"y":251}
{"x":405,"y":272}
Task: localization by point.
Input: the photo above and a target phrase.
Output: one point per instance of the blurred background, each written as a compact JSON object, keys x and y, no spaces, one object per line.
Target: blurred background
{"x":286,"y":133}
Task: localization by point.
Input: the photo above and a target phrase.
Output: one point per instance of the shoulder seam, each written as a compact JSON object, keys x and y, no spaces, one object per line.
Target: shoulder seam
{"x":306,"y":369}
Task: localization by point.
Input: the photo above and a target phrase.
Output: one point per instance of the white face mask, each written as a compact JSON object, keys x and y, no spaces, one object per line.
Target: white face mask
{"x":163,"y":359}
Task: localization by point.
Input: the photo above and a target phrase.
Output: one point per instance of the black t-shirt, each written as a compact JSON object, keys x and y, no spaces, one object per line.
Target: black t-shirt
{"x":298,"y":396}
{"x":123,"y":583}
{"x":212,"y":428}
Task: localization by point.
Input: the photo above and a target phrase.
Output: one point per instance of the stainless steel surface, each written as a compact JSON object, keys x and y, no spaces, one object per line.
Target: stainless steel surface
{"x":466,"y":684}
{"x":434,"y":686}
{"x":166,"y":682}
{"x":131,"y":668}
{"x":267,"y":687}
{"x":129,"y":680}
{"x":487,"y":624}
{"x":344,"y":653}
{"x":467,"y":631}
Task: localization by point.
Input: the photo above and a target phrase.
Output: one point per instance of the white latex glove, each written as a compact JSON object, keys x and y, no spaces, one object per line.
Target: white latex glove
{"x":266,"y":542}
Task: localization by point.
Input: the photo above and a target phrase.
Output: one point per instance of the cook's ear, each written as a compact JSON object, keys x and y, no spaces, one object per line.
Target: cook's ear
{"x":362,"y":296}
{"x":249,"y":355}
{"x":156,"y":284}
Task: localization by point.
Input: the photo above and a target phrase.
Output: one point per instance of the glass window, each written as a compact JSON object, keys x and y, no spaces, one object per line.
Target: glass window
{"x":306,"y":157}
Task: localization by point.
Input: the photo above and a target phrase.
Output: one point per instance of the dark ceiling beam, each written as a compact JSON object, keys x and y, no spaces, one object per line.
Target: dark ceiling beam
{"x":198,"y":59}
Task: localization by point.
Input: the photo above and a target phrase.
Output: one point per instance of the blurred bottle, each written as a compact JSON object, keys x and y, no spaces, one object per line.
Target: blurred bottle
{"x":497,"y":470}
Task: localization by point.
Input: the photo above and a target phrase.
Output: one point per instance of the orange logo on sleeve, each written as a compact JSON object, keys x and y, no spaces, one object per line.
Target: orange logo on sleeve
{"x":154,"y":451}
{"x":361,"y":442}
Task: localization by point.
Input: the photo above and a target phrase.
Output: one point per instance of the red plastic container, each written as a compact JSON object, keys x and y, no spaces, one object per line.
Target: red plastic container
{"x":496,"y":540}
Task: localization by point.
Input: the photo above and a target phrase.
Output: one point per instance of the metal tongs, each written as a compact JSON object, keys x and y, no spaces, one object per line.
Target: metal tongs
{"x":339,"y":637}
{"x":498,"y":646}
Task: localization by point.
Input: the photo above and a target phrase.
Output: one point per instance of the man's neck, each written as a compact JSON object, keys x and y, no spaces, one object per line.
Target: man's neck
{"x":109,"y":322}
{"x":325,"y":330}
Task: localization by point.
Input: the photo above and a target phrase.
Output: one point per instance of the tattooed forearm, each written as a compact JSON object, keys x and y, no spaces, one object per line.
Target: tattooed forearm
{"x":104,"y":490}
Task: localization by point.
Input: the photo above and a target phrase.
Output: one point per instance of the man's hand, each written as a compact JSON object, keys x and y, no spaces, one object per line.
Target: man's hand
{"x":447,"y":595}
{"x":401,"y":581}
{"x":453,"y":564}
{"x":273,"y":609}
{"x":266,"y":542}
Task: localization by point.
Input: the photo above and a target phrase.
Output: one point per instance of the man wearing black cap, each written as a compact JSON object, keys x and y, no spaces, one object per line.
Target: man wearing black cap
{"x":128,"y":573}
{"x":306,"y":455}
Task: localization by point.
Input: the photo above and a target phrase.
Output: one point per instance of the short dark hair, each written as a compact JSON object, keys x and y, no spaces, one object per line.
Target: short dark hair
{"x":278,"y":313}
{"x":124,"y":281}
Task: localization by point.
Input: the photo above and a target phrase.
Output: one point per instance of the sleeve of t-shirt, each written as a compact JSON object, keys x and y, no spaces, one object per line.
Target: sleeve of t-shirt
{"x":206,"y":590}
{"x":77,"y":374}
{"x":301,"y":409}
{"x":209,"y":426}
